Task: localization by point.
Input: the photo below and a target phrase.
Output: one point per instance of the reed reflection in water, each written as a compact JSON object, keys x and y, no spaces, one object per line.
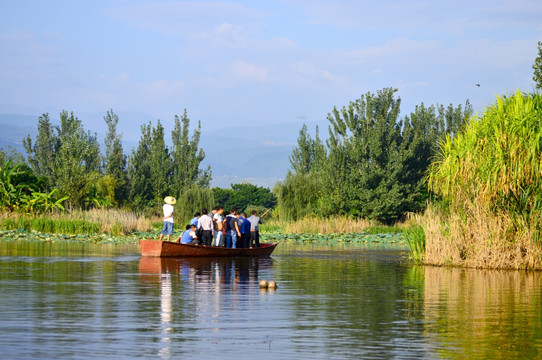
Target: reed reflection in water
{"x":484,"y":314}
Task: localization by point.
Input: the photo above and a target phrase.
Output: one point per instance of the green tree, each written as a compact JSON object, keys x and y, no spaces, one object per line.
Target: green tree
{"x":365,"y":138}
{"x":187,"y":156}
{"x":298,"y":196}
{"x":41,"y":154}
{"x":139,"y":169}
{"x":149,"y":167}
{"x":240,"y":196}
{"x":191,"y":200}
{"x":76,"y":165}
{"x":537,"y":67}
{"x":114,"y":162}
{"x":308,"y":155}
{"x":160,"y":163}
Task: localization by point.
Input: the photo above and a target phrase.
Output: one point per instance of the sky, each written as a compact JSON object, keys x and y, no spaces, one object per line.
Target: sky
{"x":235,"y":63}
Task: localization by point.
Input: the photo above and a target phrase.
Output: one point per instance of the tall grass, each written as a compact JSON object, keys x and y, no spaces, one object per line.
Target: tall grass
{"x":491,"y":173}
{"x":318,"y":225}
{"x":112,"y":221}
{"x":415,"y":238}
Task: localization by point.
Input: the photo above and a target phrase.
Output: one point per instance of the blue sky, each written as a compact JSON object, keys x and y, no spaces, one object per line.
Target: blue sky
{"x":251,"y":62}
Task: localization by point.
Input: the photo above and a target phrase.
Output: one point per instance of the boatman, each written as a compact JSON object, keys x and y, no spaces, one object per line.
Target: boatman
{"x":167,"y":228}
{"x":255,"y":222}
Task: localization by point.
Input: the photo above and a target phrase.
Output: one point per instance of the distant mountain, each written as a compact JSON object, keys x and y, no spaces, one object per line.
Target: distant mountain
{"x":256,"y":153}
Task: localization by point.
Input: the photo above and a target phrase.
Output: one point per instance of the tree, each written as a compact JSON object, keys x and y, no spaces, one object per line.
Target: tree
{"x":186,"y":157}
{"x":373,"y":163}
{"x":115,"y":171}
{"x":41,"y":155}
{"x":76,"y":165}
{"x":159,"y":163}
{"x":309,"y":155}
{"x":298,"y":196}
{"x":240,"y":196}
{"x":192,"y":199}
{"x":537,"y":67}
{"x":148,"y":167}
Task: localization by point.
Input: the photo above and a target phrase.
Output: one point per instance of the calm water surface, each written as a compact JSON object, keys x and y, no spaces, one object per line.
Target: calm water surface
{"x":345,"y":302}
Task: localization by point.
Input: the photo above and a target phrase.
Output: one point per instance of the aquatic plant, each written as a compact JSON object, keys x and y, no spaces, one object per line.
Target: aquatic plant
{"x":415,"y":239}
{"x":490,"y":173}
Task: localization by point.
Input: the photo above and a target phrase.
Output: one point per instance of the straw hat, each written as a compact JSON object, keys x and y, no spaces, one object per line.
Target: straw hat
{"x":170,"y":200}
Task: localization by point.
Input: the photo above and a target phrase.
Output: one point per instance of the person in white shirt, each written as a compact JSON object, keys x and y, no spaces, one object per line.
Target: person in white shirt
{"x":167,"y":228}
{"x":218,"y":222}
{"x":205,"y":223}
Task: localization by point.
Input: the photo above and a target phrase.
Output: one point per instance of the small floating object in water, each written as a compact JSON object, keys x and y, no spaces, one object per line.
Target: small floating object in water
{"x":263,"y":284}
{"x":272,"y":284}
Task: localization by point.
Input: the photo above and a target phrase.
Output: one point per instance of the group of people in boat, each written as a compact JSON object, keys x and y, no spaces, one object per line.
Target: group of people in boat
{"x":218,"y":228}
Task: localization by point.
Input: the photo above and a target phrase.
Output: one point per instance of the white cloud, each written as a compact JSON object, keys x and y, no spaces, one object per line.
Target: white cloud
{"x":246,"y":71}
{"x":186,"y":19}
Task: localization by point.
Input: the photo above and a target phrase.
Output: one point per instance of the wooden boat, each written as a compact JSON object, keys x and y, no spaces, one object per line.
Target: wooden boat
{"x":172,"y":249}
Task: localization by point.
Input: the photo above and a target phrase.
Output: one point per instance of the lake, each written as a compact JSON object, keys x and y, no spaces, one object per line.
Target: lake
{"x":80,"y":301}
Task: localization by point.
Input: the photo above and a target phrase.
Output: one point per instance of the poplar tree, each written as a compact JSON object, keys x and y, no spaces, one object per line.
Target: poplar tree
{"x":76,"y":164}
{"x":537,"y":67}
{"x":186,"y":157}
{"x":41,"y":154}
{"x":309,"y":155}
{"x":149,"y":168}
{"x":139,"y":169}
{"x":115,"y":170}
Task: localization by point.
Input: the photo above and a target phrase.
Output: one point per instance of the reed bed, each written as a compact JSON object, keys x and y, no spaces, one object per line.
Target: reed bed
{"x":112,"y":221}
{"x":318,"y":225}
{"x":479,"y":239}
{"x":490,"y":180}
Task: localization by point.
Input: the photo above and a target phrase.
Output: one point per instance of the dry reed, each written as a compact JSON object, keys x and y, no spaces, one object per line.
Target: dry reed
{"x":330,"y":225}
{"x":479,"y":239}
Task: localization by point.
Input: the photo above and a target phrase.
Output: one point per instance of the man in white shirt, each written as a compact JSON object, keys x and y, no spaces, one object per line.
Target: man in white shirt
{"x":167,"y":228}
{"x":205,"y":223}
{"x":218,"y":223}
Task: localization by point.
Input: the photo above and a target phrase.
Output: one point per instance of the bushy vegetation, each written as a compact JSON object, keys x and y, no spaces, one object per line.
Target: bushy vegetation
{"x":490,"y":184}
{"x":245,"y":197}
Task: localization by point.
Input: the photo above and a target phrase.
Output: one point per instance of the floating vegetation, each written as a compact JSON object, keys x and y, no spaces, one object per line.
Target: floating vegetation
{"x":35,"y":236}
{"x":362,"y":237}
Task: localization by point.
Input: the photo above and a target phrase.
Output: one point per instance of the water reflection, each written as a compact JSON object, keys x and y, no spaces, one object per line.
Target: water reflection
{"x":484,"y":314}
{"x":344,"y":303}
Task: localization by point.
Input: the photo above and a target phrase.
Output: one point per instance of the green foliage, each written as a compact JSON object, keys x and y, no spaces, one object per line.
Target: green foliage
{"x":50,"y":225}
{"x":309,"y":155}
{"x":537,"y":67}
{"x":41,"y":155}
{"x":155,"y":172}
{"x":496,"y":162}
{"x":16,"y":181}
{"x":415,"y":239}
{"x":298,"y":196}
{"x":240,"y":196}
{"x":192,"y":200}
{"x":114,"y":185}
{"x":186,"y":157}
{"x":374,"y":163}
{"x":69,"y":159}
{"x":42,"y":202}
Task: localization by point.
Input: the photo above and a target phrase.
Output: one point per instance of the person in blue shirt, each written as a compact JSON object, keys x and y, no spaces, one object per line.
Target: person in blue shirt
{"x":189,"y":235}
{"x":194,"y":221}
{"x":244,"y":229}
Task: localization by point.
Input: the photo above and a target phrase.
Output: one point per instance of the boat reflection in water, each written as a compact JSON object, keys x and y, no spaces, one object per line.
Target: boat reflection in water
{"x":196,"y":292}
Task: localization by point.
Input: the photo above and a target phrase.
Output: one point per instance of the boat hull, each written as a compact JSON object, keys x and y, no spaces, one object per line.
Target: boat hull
{"x":158,"y":248}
